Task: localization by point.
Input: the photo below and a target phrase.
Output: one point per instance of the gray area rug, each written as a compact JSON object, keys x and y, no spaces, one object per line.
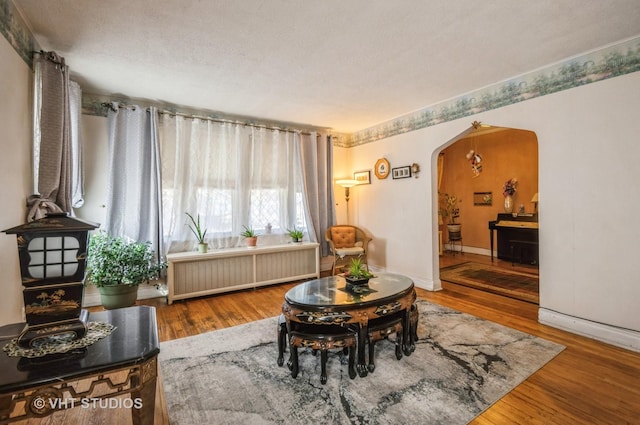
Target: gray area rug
{"x":461,"y":366}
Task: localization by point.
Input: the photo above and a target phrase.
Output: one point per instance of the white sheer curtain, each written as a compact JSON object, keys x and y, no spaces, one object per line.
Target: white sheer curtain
{"x":232,"y":176}
{"x":134,"y":201}
{"x":77,"y":166}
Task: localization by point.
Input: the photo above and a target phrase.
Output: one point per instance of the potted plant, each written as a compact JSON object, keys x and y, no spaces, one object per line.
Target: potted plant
{"x":295,"y":234}
{"x":449,"y":211}
{"x":196,"y":229}
{"x":250,"y":235}
{"x":118,"y":266}
{"x":357,"y":273}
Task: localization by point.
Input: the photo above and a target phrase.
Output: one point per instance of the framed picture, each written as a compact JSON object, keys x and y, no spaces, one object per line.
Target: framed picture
{"x":382,"y":168}
{"x":401,"y":172}
{"x":483,"y":198}
{"x":362,"y":177}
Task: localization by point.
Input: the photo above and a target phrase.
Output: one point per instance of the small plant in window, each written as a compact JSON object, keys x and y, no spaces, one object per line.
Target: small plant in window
{"x":250,"y":235}
{"x":295,"y":234}
{"x":196,"y":228}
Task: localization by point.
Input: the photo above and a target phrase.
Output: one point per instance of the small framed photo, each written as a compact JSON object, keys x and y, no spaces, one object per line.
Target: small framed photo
{"x":483,"y":199}
{"x":401,"y":172}
{"x":362,"y":177}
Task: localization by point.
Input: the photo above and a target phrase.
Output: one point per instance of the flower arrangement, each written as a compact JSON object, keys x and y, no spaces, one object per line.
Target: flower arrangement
{"x":449,"y":207}
{"x":509,"y":188}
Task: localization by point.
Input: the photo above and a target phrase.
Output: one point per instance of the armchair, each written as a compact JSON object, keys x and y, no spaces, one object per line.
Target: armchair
{"x":347,"y":242}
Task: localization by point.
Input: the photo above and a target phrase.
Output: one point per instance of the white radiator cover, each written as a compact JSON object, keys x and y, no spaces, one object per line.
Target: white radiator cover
{"x":192,"y":274}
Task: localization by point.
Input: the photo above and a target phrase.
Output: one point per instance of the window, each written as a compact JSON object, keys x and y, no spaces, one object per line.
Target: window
{"x":232,"y":176}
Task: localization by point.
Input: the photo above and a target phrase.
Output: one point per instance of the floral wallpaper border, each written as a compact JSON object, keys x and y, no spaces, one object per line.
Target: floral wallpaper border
{"x":613,"y":61}
{"x":609,"y":62}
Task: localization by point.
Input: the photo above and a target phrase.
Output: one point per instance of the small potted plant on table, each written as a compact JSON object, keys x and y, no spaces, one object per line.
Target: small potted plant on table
{"x":357,"y":273}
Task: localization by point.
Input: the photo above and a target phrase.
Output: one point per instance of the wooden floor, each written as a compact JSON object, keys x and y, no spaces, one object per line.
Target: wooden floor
{"x":588,"y":383}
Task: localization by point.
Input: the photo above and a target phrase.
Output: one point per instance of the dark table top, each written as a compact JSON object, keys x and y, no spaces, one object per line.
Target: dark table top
{"x":134,"y":341}
{"x":332,"y":292}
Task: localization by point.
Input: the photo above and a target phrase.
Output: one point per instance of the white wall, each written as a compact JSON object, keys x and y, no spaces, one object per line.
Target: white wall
{"x":15,"y":163}
{"x":588,"y":158}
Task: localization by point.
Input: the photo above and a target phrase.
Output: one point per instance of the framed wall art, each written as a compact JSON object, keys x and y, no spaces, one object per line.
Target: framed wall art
{"x":401,"y":172}
{"x":362,"y":177}
{"x":483,"y":198}
{"x":382,"y":168}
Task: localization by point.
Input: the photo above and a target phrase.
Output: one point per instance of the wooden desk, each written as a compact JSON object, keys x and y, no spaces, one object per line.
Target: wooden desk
{"x":328,"y":301}
{"x":124,"y":362}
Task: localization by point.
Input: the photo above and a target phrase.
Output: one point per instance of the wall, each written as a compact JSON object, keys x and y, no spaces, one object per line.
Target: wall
{"x":588,"y":150}
{"x":15,"y":163}
{"x":506,"y":154}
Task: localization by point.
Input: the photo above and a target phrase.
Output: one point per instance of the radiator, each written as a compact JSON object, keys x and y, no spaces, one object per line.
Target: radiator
{"x":192,"y":274}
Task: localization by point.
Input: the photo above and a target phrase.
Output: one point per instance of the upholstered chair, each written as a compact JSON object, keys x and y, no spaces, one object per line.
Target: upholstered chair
{"x":347,"y":242}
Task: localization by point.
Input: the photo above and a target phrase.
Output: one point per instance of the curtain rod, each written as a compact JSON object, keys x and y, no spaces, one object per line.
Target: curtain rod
{"x":220,"y":120}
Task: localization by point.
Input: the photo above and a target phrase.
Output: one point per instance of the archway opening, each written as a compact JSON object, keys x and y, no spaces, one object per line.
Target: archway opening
{"x":492,"y":248}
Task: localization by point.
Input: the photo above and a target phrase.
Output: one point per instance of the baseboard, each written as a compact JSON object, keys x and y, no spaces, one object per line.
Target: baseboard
{"x":473,"y":250}
{"x":620,"y":337}
{"x":429,"y":285}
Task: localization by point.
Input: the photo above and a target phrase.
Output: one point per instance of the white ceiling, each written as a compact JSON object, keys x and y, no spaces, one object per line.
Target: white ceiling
{"x":342,"y":64}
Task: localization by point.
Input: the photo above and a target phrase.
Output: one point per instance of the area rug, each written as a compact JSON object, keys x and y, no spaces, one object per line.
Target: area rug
{"x":510,"y":283}
{"x":460,"y":367}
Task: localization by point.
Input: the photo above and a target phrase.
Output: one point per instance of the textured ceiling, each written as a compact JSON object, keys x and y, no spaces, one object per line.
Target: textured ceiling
{"x":347,"y":65}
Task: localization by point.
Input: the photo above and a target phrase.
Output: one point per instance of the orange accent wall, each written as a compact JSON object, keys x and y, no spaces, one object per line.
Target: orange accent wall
{"x":505,"y":154}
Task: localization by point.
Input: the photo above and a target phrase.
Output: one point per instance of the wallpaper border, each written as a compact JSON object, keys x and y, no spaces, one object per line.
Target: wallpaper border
{"x":608,"y":62}
{"x":14,"y":29}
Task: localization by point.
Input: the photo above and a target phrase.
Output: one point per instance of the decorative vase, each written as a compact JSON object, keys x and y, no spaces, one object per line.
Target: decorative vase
{"x":508,"y":204}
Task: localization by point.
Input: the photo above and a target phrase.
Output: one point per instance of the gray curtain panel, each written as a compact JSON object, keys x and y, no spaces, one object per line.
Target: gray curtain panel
{"x":54,"y":145}
{"x":316,"y":154}
{"x":134,"y":202}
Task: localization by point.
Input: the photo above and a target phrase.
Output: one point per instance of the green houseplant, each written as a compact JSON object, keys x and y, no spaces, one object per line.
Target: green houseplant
{"x":295,"y":234}
{"x":357,"y":273}
{"x":196,"y":228}
{"x":250,"y":235}
{"x":118,"y":266}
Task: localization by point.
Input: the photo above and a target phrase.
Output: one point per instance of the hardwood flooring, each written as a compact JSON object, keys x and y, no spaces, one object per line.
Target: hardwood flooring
{"x":588,"y":383}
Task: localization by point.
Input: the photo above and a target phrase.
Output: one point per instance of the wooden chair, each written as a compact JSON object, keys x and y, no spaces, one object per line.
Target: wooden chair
{"x":347,"y":242}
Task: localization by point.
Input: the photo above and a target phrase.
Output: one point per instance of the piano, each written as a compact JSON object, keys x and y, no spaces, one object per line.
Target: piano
{"x":517,"y":238}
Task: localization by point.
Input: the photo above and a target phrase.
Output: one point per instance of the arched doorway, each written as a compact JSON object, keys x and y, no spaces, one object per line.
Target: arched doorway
{"x":473,"y":170}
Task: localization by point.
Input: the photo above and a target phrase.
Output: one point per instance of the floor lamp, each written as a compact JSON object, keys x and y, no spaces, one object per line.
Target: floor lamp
{"x":347,"y":184}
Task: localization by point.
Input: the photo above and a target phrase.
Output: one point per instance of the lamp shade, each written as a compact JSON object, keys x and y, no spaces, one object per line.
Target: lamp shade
{"x":347,"y":182}
{"x":535,"y":198}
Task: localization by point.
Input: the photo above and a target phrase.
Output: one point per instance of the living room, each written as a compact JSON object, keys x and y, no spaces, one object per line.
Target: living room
{"x":586,"y":163}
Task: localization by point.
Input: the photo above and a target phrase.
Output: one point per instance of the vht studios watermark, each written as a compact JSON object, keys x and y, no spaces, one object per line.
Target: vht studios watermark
{"x":86,"y":403}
